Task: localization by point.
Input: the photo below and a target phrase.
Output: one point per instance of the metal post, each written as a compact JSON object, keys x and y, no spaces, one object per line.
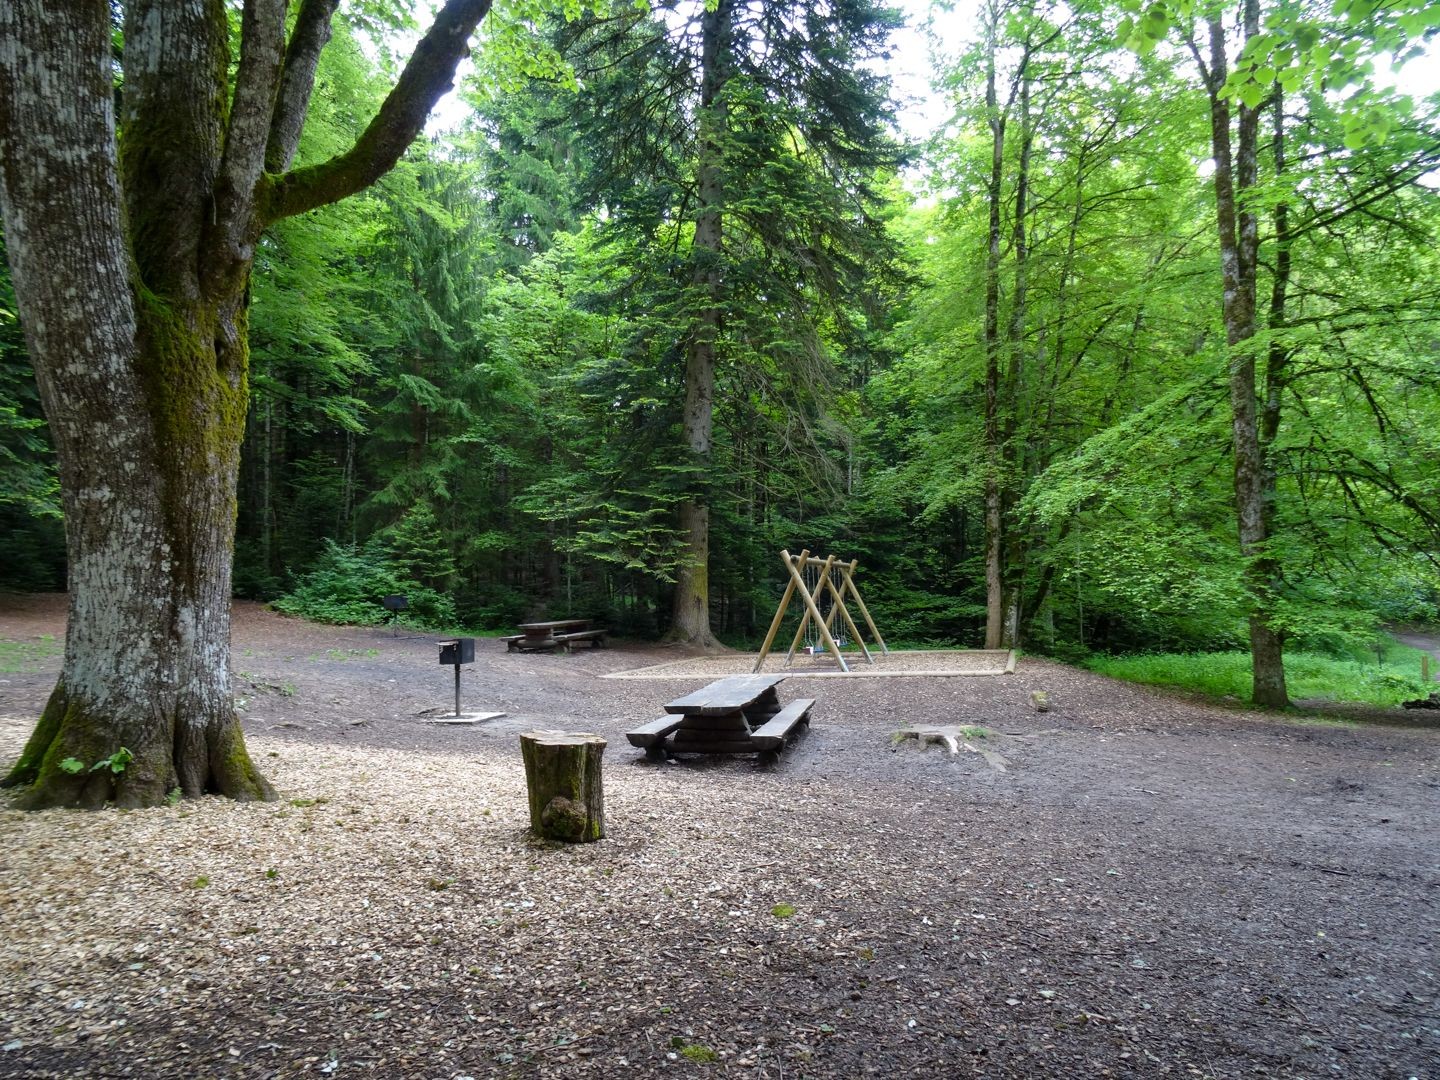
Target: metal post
{"x":457,"y":689}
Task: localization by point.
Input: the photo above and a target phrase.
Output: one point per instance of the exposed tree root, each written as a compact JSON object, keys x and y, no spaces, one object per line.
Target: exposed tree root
{"x":67,"y":762}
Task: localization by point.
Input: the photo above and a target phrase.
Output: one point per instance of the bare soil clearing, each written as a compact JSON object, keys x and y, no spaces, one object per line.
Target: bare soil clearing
{"x":1152,"y":887}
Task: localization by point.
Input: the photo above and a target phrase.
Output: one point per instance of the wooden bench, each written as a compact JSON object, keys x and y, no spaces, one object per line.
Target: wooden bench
{"x":512,"y":643}
{"x":595,"y":637}
{"x":652,"y":736}
{"x":775,"y":732}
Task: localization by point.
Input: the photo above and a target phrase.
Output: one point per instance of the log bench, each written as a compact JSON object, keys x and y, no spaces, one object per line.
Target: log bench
{"x":651,"y":737}
{"x":776,"y":732}
{"x":595,"y":637}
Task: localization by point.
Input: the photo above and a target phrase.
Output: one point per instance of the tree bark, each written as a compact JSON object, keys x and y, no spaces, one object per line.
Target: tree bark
{"x":131,"y":266}
{"x":994,"y":510}
{"x":690,"y":622}
{"x":1236,"y":173}
{"x":1014,"y":439}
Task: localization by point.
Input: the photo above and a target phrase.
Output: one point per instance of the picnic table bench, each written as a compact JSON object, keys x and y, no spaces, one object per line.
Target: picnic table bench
{"x":554,"y":634}
{"x":739,"y":714}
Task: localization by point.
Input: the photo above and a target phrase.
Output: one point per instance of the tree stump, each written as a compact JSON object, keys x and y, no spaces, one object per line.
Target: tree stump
{"x":562,"y":775}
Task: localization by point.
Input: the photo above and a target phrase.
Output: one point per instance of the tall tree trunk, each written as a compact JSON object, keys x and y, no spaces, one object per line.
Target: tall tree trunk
{"x":690,"y":620}
{"x":131,"y":266}
{"x":1014,"y":440}
{"x":146,"y":398}
{"x":1236,"y":173}
{"x":994,"y":509}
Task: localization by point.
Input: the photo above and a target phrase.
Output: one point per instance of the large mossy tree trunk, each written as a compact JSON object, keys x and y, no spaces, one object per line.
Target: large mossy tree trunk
{"x":130,"y":254}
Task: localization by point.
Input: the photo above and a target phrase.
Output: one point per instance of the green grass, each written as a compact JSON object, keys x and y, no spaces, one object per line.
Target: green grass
{"x":1385,"y":682}
{"x":25,"y":657}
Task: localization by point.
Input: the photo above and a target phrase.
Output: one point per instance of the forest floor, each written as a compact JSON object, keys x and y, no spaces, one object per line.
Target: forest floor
{"x":1152,"y":886}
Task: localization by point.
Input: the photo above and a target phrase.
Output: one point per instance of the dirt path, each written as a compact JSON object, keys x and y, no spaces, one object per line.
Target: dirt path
{"x":1152,"y":887}
{"x":1416,"y":639}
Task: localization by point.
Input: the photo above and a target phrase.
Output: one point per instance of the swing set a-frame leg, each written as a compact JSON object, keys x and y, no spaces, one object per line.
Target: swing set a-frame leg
{"x":780,"y":611}
{"x":813,"y":612}
{"x":849,"y":581}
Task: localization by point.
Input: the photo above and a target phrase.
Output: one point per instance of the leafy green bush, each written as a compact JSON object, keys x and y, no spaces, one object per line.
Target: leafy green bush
{"x":1307,"y":675}
{"x":347,"y":583}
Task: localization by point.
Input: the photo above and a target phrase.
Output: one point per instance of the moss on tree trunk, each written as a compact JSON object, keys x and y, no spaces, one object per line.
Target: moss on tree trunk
{"x":131,"y":259}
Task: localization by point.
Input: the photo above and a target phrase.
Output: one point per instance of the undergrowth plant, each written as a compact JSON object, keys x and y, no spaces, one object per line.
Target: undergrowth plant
{"x":1391,"y":677}
{"x":348,"y":582}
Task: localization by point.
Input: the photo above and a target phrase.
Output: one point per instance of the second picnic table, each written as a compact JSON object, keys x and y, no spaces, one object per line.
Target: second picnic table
{"x":555,"y":634}
{"x":739,"y":714}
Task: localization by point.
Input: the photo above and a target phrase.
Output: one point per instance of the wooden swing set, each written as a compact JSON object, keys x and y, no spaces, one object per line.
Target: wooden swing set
{"x":817,"y":579}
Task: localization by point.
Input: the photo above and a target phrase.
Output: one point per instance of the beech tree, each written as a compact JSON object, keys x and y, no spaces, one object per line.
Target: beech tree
{"x":130,"y":240}
{"x":1278,"y":51}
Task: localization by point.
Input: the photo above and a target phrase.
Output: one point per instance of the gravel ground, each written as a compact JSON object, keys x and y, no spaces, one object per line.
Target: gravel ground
{"x":1152,"y":886}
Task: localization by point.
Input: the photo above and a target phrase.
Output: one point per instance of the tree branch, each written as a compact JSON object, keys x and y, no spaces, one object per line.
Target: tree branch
{"x":426,"y":77}
{"x":171,"y":135}
{"x":1404,"y":176}
{"x":262,"y":29}
{"x":302,"y":57}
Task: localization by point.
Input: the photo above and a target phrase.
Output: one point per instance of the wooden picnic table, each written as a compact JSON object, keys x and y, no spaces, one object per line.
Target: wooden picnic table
{"x":739,"y":714}
{"x":553,"y":625}
{"x":554,"y":634}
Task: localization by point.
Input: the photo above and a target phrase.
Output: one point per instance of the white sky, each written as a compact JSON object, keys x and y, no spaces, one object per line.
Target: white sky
{"x":921,"y":110}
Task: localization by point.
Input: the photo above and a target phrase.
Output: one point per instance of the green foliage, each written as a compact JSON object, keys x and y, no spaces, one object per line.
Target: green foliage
{"x":116,"y":763}
{"x":347,"y":583}
{"x":1376,"y":681}
{"x":418,"y":550}
{"x":468,"y":384}
{"x":1325,"y":49}
{"x":27,"y":470}
{"x":30,"y":528}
